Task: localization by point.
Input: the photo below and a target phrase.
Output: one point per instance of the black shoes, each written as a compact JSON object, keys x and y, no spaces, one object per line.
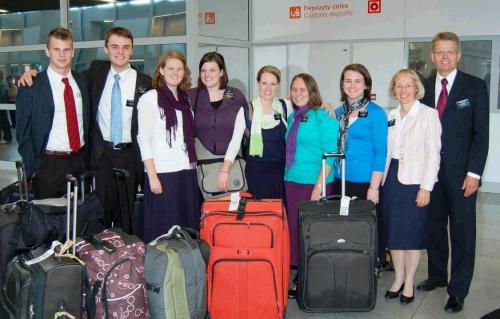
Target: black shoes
{"x":393,"y":294}
{"x":406,"y":300}
{"x":454,"y":304}
{"x":292,"y":293}
{"x":430,"y":284}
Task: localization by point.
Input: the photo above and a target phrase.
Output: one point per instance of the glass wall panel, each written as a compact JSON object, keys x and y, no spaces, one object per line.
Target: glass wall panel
{"x":31,"y":27}
{"x":144,"y":59}
{"x":143,"y":18}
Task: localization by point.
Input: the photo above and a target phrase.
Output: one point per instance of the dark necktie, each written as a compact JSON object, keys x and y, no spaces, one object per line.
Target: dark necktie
{"x":71,"y":119}
{"x":443,"y":98}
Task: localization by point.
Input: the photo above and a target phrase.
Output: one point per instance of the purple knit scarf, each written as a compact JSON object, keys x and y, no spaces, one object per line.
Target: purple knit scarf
{"x":168,"y":104}
{"x":291,"y":141}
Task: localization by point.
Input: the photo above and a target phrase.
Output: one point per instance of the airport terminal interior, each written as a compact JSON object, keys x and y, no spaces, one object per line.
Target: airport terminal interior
{"x":249,"y":35}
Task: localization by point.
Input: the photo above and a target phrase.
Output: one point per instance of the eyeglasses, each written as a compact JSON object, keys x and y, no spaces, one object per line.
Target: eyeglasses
{"x":443,"y":53}
{"x":406,"y":86}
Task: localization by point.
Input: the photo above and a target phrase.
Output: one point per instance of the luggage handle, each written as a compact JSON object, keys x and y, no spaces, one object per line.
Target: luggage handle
{"x":71,"y":182}
{"x":323,"y":169}
{"x":83,"y":178}
{"x":176,"y":230}
{"x":22,"y":180}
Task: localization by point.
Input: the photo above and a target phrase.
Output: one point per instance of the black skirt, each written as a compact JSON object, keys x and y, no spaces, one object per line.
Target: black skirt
{"x":404,"y":222}
{"x":266,"y":179}
{"x":178,"y":204}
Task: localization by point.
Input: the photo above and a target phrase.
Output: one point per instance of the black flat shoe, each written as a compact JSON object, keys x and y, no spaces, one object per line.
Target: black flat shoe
{"x":454,"y":304}
{"x":393,"y":294}
{"x":406,"y":300}
{"x":292,"y":293}
{"x":431,"y":284}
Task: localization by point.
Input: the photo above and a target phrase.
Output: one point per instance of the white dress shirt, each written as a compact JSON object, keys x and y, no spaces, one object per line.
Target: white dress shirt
{"x":58,"y":136}
{"x":152,"y":137}
{"x":451,"y":78}
{"x":127,"y":82}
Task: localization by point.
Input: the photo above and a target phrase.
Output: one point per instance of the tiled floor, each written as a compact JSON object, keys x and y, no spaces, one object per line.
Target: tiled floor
{"x":484,"y":294}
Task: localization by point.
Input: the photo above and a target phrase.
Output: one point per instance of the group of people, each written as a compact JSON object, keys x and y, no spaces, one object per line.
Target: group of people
{"x":421,"y":163}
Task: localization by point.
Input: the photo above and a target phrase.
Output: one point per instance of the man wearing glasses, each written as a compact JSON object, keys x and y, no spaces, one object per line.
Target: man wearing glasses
{"x":463,"y":105}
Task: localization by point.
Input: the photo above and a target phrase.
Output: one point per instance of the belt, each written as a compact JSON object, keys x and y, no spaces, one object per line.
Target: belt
{"x":63,"y":153}
{"x":119,"y":146}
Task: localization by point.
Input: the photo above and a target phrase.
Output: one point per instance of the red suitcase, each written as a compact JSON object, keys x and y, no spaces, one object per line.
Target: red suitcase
{"x":249,"y":265}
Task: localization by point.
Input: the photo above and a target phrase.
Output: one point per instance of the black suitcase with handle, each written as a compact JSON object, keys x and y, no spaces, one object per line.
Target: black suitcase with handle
{"x":337,"y":254}
{"x":46,"y":282}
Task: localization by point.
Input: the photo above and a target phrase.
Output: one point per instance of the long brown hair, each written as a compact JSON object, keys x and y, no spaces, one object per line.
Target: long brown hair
{"x":361,"y":69}
{"x":315,"y":100}
{"x":159,"y":80}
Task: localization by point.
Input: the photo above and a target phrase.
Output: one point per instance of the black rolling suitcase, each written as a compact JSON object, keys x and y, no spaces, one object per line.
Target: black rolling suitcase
{"x":46,"y":282}
{"x":135,"y":211}
{"x":337,"y":254}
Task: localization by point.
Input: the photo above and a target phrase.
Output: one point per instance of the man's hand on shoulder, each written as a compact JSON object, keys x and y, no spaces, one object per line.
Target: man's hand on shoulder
{"x":27,"y":78}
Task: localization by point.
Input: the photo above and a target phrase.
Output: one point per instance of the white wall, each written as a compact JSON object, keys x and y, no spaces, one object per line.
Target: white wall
{"x":376,"y":40}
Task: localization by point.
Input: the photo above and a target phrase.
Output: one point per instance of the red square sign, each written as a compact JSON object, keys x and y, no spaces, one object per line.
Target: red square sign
{"x":295,"y":12}
{"x":374,"y":6}
{"x":210,"y":17}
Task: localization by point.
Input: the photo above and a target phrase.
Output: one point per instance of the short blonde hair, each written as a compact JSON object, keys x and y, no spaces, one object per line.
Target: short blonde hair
{"x":446,"y":36}
{"x":416,"y":81}
{"x":269,"y":69}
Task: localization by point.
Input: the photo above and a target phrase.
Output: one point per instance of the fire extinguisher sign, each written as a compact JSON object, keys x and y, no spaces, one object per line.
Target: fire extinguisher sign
{"x":374,"y":6}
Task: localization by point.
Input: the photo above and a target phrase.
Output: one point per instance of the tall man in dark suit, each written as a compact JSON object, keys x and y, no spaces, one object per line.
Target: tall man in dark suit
{"x":53,"y":120}
{"x":463,"y":106}
{"x":115,"y":89}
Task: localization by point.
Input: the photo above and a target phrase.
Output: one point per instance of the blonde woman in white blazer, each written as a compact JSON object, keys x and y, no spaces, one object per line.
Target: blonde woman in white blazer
{"x":412,"y":164}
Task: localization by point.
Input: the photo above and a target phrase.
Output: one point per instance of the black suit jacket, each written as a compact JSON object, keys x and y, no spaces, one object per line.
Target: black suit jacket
{"x":465,"y":125}
{"x":35,"y":114}
{"x":97,"y":74}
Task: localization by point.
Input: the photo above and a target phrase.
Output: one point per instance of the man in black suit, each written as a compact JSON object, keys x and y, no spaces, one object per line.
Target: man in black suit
{"x":53,"y":120}
{"x":111,"y":81}
{"x":463,"y":105}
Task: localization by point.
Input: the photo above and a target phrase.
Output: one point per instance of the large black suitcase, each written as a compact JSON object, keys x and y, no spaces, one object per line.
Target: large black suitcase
{"x":337,"y":256}
{"x":42,"y":284}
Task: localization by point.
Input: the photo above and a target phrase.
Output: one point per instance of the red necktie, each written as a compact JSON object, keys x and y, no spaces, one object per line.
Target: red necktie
{"x":71,"y":119}
{"x":443,"y":98}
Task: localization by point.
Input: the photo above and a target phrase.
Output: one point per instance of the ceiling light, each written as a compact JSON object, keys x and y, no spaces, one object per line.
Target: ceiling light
{"x":4,"y":11}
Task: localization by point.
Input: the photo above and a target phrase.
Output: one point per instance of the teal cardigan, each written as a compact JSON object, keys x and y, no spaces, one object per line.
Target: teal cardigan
{"x":316,"y":136}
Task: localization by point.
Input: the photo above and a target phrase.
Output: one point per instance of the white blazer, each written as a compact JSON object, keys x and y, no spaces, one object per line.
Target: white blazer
{"x":420,"y":146}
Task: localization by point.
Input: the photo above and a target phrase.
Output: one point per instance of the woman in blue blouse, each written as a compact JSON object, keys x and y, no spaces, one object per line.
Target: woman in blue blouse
{"x":362,"y":135}
{"x":363,"y":140}
{"x":310,"y":133}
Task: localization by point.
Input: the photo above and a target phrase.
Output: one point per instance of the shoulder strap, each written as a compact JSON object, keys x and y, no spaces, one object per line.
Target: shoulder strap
{"x":285,"y":112}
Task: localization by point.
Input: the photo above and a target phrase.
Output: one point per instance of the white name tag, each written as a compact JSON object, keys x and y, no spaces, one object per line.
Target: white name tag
{"x":235,"y":201}
{"x":344,"y":205}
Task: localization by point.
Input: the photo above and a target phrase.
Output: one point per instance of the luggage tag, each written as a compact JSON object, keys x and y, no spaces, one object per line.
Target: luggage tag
{"x":235,"y":201}
{"x":344,"y":205}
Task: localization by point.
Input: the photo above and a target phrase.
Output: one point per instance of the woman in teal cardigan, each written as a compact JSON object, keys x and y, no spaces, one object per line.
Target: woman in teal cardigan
{"x":310,"y":133}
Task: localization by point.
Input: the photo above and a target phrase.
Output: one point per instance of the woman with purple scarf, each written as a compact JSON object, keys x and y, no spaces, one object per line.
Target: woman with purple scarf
{"x":166,"y":139}
{"x":310,"y":133}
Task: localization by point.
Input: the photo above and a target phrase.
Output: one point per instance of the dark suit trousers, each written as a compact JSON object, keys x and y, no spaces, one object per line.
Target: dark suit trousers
{"x":449,"y":203}
{"x":50,"y":178}
{"x":116,"y":196}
